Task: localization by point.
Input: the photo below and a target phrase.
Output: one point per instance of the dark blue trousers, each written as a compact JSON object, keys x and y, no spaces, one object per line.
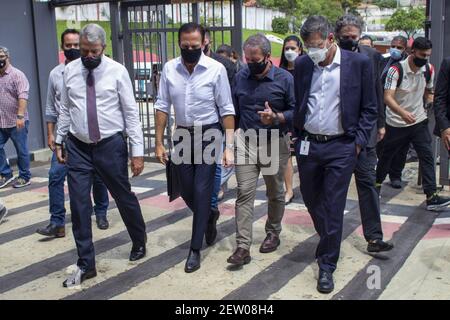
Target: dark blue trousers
{"x":325,"y":175}
{"x":197,"y":185}
{"x":109,"y":160}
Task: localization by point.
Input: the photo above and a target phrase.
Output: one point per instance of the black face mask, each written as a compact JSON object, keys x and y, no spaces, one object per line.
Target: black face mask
{"x":257,"y":67}
{"x":191,"y":56}
{"x":2,"y":63}
{"x":419,"y":62}
{"x":91,"y":62}
{"x":348,"y":44}
{"x":72,"y":54}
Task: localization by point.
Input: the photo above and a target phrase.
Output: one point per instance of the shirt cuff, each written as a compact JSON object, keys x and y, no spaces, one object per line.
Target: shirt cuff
{"x":227,"y":110}
{"x":137,"y":151}
{"x":23,"y":96}
{"x":59,"y":139}
{"x":50,"y":118}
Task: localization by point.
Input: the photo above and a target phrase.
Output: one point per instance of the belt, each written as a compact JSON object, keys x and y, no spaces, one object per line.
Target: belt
{"x":322,"y":138}
{"x":98,"y":143}
{"x":203,"y":127}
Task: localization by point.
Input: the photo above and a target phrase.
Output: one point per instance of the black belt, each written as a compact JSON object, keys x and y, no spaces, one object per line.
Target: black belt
{"x":322,"y":138}
{"x":98,"y":143}
{"x":203,"y":127}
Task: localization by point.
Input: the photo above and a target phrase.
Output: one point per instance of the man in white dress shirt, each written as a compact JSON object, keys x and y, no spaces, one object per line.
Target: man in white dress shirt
{"x":98,"y":111}
{"x":197,"y":87}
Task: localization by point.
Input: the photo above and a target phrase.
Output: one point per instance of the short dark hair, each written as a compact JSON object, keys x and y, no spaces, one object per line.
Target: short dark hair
{"x":402,"y":39}
{"x":66,"y":32}
{"x":422,"y":43}
{"x":224,"y":48}
{"x":366,"y":37}
{"x":349,"y":20}
{"x":316,"y":24}
{"x":191,"y":27}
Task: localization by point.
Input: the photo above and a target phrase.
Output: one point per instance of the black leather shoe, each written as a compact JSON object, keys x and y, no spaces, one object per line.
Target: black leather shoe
{"x":396,"y":184}
{"x":193,"y":261}
{"x":379,"y":246}
{"x":137,"y":253}
{"x":84,"y":276}
{"x":211,"y":228}
{"x":102,"y":223}
{"x":325,"y":283}
{"x":52,"y":231}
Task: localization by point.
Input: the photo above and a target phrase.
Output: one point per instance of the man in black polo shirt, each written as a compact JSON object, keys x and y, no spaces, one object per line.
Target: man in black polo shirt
{"x":263,"y":96}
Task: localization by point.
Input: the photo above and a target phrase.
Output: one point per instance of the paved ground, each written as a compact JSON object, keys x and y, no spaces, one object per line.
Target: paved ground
{"x":417,"y":268}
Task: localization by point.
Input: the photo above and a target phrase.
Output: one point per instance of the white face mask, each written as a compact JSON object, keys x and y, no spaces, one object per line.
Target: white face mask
{"x":290,"y":55}
{"x":318,"y":55}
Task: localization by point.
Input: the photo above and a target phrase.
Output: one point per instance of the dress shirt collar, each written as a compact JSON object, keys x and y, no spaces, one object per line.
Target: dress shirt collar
{"x":8,"y":69}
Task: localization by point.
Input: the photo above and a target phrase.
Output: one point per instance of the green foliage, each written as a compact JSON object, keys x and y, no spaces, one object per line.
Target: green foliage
{"x":386,"y":3}
{"x":280,"y":25}
{"x":409,"y":21}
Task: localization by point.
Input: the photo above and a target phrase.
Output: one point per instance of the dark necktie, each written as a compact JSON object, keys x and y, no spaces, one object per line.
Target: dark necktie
{"x":94,"y":131}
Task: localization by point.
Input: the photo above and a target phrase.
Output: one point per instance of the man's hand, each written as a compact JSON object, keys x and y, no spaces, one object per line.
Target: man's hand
{"x":20,"y":124}
{"x":228,"y":158}
{"x":267,"y":116}
{"x":51,"y":141}
{"x":137,"y":165}
{"x":408,"y":117}
{"x":161,"y":154}
{"x":445,"y":136}
{"x":60,"y":156}
{"x":381,"y":134}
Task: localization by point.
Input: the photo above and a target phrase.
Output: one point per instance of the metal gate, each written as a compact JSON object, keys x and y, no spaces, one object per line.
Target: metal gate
{"x":150,"y":39}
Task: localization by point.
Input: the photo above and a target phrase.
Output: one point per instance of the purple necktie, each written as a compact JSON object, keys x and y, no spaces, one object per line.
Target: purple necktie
{"x":94,"y":131}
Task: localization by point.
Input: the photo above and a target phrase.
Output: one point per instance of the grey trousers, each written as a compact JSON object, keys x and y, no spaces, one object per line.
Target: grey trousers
{"x":247,"y":177}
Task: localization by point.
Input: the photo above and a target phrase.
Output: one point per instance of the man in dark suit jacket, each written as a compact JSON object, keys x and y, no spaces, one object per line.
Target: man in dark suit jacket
{"x":348,"y":33}
{"x":335,"y":112}
{"x":442,"y":103}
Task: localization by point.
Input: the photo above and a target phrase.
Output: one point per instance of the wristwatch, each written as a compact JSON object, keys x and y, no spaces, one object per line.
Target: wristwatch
{"x":20,"y":116}
{"x":230,"y":146}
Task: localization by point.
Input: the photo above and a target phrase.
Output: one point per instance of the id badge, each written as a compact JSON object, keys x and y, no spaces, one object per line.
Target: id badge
{"x":304,"y":147}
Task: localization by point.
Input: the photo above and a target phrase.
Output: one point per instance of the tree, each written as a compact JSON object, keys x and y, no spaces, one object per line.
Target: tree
{"x":391,"y":4}
{"x":350,"y":6}
{"x":408,"y":21}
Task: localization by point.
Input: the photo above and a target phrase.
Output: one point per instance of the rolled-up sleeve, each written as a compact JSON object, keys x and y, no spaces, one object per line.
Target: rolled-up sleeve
{"x":22,"y":85}
{"x":222,"y":94}
{"x":163,"y":101}
{"x":131,"y":114}
{"x":63,"y":123}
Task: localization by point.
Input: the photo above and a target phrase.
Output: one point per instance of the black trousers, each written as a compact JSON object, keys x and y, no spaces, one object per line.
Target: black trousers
{"x":397,"y":139}
{"x":369,"y":201}
{"x":398,"y":162}
{"x":197,"y":185}
{"x":109,"y":160}
{"x":325,"y":175}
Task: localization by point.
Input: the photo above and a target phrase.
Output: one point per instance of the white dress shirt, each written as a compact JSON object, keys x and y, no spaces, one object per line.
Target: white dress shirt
{"x":116,"y":106}
{"x":198,"y":98}
{"x":324,"y":102}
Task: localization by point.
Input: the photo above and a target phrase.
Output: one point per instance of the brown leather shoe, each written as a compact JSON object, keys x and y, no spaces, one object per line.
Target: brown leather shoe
{"x":270,"y":243}
{"x":52,"y":231}
{"x":240,"y":257}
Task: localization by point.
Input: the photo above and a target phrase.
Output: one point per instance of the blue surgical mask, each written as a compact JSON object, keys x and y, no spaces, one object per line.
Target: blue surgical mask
{"x":396,"y":54}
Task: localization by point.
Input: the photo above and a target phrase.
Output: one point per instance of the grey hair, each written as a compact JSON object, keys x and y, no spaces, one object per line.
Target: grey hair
{"x":4,"y":50}
{"x":316,"y":24}
{"x":93,"y":33}
{"x":349,"y":20}
{"x":259,"y":40}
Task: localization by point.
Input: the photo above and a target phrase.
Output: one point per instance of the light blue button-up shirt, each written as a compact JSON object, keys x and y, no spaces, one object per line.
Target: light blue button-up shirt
{"x":324,"y":102}
{"x":199,"y":98}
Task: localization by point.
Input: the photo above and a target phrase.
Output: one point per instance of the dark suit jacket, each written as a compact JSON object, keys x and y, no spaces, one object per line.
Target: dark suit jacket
{"x":442,"y":98}
{"x":377,"y":63}
{"x":358,"y":100}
